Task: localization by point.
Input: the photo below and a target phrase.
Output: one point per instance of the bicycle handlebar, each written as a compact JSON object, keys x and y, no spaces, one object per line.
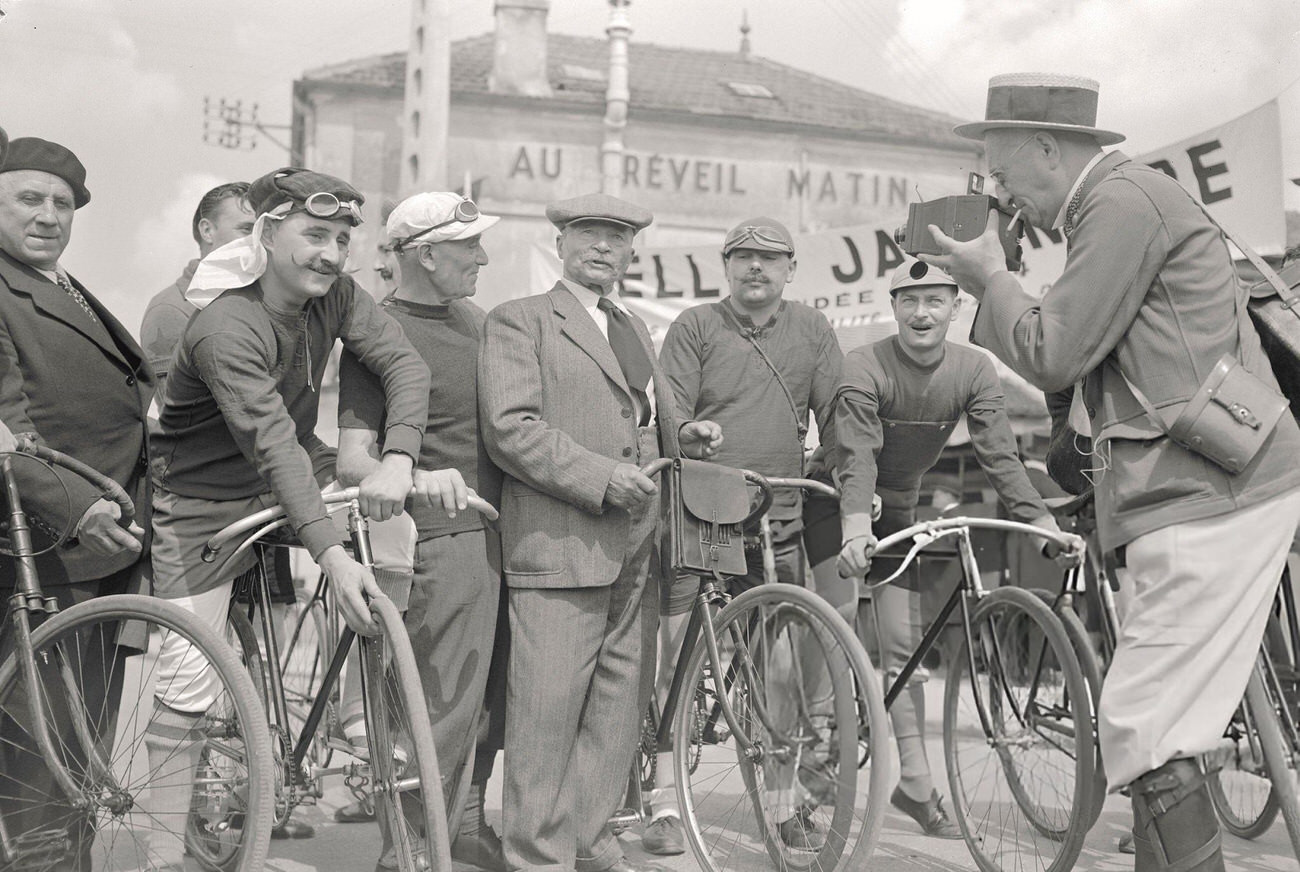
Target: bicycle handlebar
{"x":110,"y":489}
{"x":224,"y":536}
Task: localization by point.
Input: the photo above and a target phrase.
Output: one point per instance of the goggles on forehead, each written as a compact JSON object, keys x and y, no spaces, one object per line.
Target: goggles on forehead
{"x":768,"y":236}
{"x":322,"y":204}
{"x":466,"y":212}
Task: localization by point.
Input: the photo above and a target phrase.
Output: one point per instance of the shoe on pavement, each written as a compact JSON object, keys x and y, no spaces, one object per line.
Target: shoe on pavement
{"x":388,"y":862}
{"x":930,"y":814}
{"x":293,"y":829}
{"x":481,"y":849}
{"x":1126,"y":845}
{"x":664,"y":836}
{"x":798,"y":834}
{"x":359,"y":812}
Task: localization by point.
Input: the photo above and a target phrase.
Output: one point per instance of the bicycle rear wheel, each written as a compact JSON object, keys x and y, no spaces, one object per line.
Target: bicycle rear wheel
{"x":134,"y":761}
{"x":1279,"y":746}
{"x":802,"y":694}
{"x":407,"y":784}
{"x":1019,"y":745}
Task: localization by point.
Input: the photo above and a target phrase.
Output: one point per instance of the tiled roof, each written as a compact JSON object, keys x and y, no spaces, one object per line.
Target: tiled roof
{"x":677,"y":81}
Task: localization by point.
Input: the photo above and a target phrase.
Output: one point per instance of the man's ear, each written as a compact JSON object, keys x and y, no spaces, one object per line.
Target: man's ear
{"x":268,"y":234}
{"x":206,"y":229}
{"x":559,"y":238}
{"x":956,"y":307}
{"x":794,"y":264}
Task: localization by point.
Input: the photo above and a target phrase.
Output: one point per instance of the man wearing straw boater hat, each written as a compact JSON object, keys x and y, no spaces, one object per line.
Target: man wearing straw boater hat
{"x":1147,"y":309}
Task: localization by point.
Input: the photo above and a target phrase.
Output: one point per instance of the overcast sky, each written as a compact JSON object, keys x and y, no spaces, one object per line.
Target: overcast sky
{"x":122,"y":82}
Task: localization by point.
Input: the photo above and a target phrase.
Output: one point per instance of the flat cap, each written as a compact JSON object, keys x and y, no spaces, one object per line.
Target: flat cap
{"x":761,"y":234}
{"x":31,"y":153}
{"x":297,"y":185}
{"x":599,"y":207}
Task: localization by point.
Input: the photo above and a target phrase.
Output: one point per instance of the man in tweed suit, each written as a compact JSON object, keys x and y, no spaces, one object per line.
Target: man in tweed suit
{"x":1147,"y":305}
{"x":571,"y":403}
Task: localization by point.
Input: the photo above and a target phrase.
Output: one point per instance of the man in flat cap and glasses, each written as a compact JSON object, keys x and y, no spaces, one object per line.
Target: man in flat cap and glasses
{"x":237,"y":416}
{"x":758,"y":365}
{"x":71,"y":377}
{"x":1149,"y":303}
{"x":455,"y":593}
{"x":571,"y":403}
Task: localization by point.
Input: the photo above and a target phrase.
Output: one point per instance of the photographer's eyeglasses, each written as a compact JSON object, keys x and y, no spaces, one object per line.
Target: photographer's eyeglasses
{"x":466,"y":212}
{"x":997,"y":175}
{"x":766,"y":235}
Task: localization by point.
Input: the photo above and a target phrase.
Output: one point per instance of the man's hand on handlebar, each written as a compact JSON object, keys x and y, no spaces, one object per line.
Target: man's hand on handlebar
{"x":101,"y":533}
{"x":383,"y":492}
{"x":700,"y":439}
{"x":855,"y":555}
{"x":352,"y":583}
{"x":628,"y":487}
{"x":1065,"y":556}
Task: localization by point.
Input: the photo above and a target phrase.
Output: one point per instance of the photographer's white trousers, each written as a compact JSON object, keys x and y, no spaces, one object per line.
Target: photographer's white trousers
{"x":1194,"y":599}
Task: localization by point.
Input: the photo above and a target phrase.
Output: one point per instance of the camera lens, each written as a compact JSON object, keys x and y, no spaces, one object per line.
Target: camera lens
{"x":900,"y":235}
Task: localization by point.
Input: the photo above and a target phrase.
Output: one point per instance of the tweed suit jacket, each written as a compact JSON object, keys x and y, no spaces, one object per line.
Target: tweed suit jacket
{"x":556,"y":415}
{"x":1149,"y":290}
{"x":82,"y":393}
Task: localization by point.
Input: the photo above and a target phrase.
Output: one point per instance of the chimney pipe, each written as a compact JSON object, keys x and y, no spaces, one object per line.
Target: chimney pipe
{"x":519,"y":58}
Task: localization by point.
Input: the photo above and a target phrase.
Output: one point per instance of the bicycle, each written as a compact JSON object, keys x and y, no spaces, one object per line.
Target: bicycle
{"x":78,"y":789}
{"x":299,"y":687}
{"x":1014,"y":699}
{"x":1252,"y":777}
{"x":743,"y":755}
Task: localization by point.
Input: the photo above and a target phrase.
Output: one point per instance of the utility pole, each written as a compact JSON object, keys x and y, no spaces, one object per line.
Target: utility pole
{"x":228,"y":124}
{"x":425,"y":119}
{"x":617,"y":96}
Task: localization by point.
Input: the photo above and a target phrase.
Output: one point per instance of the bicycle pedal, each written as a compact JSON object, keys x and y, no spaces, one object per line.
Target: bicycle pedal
{"x":40,"y":848}
{"x":716,"y":735}
{"x":623,"y":819}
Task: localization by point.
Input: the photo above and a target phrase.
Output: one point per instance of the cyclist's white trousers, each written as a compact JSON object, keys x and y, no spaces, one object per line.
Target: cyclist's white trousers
{"x":186,"y":680}
{"x":1193,"y":602}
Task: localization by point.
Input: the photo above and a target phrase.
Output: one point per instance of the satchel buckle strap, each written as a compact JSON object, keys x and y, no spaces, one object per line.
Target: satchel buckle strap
{"x":1243,"y":415}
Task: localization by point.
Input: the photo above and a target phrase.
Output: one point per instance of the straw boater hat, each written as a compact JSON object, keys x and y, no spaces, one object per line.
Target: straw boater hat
{"x":1041,"y":101}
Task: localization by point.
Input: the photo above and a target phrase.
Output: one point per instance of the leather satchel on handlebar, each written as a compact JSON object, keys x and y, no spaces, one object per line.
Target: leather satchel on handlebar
{"x":710,"y":506}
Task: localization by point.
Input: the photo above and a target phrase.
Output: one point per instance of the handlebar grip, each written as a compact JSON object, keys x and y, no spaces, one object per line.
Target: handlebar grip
{"x":110,"y":489}
{"x":766,"y":495}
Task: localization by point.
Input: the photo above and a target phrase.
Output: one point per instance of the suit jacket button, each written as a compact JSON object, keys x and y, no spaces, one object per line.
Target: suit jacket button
{"x":1092,"y":413}
{"x":627,"y":452}
{"x":627,"y":413}
{"x":130,"y":381}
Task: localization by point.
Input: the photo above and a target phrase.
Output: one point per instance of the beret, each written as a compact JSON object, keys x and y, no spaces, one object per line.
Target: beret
{"x":295,"y":185}
{"x":761,"y":234}
{"x":31,"y":153}
{"x":599,"y":207}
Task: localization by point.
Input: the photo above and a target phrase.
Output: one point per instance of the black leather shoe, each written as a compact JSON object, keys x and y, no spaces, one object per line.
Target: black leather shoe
{"x":482,"y":849}
{"x":626,"y":865}
{"x":799,"y":834}
{"x":293,"y":829}
{"x":930,"y":814}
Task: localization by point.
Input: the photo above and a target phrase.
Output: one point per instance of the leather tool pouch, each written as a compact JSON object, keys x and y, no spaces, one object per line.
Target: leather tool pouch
{"x":710,"y":503}
{"x":1230,"y":417}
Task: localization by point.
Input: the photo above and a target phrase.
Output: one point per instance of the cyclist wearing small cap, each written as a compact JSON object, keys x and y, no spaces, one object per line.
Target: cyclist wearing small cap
{"x":240,"y":401}
{"x":455,"y":589}
{"x":757,"y":364}
{"x":897,"y":405}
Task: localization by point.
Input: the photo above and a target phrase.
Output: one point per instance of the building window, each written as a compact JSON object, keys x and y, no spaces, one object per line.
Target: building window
{"x":749,"y":89}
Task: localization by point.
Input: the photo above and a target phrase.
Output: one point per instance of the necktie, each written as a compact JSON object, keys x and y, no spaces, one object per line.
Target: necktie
{"x":77,"y":297}
{"x":632,"y":358}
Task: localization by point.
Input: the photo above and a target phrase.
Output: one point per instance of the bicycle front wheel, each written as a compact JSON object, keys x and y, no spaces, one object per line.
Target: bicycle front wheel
{"x":766,"y":743}
{"x":1018,"y":737}
{"x":407,"y":783}
{"x":1278,"y":745}
{"x":139,"y":738}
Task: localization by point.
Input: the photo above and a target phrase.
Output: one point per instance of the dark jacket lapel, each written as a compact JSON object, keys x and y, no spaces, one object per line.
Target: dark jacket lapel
{"x":578,"y":325}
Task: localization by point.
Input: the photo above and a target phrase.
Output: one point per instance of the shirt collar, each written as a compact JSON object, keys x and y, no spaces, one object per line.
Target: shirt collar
{"x":1060,"y":216}
{"x":589,"y":298}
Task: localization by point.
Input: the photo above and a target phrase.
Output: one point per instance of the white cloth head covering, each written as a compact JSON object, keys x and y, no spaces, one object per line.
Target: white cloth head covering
{"x":236,"y":264}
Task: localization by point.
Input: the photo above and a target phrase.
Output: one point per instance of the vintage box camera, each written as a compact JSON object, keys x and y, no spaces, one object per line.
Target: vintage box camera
{"x":962,"y":218}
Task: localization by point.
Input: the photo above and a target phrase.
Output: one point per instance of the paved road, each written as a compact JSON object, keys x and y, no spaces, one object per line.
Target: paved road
{"x":901,"y":848}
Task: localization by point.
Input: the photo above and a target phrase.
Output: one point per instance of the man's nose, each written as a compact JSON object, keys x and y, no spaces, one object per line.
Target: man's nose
{"x":482,"y":259}
{"x":47,"y":213}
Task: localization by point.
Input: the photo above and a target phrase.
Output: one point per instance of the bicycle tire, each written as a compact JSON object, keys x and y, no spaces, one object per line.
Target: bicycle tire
{"x":1278,"y":757}
{"x":411,"y":811}
{"x":234,"y":726}
{"x":1090,"y":665}
{"x":728,"y":823}
{"x":1017,"y":831}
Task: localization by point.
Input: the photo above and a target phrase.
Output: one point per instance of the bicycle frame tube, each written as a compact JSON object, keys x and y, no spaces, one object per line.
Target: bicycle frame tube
{"x":260,"y":598}
{"x":664,"y":733}
{"x":322,"y":698}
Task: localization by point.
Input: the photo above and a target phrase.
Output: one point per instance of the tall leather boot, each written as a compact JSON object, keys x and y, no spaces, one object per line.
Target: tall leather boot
{"x":1175,"y":827}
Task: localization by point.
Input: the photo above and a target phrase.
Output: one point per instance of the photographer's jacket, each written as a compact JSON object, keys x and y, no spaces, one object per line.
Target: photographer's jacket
{"x":238,"y":410}
{"x":1148,"y":287}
